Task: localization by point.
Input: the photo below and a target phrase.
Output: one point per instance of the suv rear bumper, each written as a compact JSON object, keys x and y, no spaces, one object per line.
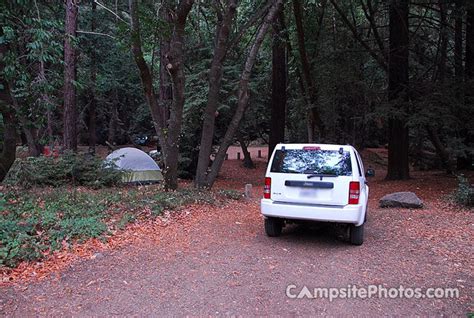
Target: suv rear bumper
{"x":354,"y":214}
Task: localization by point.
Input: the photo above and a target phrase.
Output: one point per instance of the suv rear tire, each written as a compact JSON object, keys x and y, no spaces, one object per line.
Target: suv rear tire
{"x":273,"y":226}
{"x":357,"y":234}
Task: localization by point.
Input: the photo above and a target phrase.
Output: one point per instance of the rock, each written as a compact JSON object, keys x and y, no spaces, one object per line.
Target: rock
{"x":97,"y":256}
{"x":401,"y":200}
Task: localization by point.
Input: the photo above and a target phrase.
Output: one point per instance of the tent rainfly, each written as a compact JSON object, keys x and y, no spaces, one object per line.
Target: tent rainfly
{"x":138,"y":167}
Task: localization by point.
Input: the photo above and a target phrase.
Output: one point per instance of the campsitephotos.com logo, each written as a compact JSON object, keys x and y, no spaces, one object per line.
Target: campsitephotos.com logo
{"x":370,"y":291}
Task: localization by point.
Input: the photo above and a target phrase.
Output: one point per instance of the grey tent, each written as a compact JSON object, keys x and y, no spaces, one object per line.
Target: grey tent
{"x":138,"y":167}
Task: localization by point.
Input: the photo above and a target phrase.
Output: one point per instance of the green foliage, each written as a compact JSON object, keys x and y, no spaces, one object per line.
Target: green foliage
{"x":182,"y":197}
{"x":464,"y":193}
{"x":231,"y":194}
{"x":30,"y":227}
{"x":125,"y":219}
{"x":33,"y":62}
{"x":2,"y":128}
{"x":33,"y":224}
{"x":69,"y":168}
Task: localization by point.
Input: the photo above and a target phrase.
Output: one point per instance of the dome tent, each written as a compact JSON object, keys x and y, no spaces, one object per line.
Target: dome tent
{"x":138,"y":167}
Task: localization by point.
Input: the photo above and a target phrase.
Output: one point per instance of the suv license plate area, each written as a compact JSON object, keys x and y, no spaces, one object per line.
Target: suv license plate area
{"x":308,"y":193}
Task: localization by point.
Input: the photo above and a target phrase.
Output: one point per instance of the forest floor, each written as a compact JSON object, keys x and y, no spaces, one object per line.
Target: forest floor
{"x":216,"y":260}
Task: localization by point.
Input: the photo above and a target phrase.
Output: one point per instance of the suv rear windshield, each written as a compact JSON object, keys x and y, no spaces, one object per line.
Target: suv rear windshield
{"x":329,"y":162}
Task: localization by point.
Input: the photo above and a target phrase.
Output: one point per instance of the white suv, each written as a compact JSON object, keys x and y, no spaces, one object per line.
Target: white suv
{"x":316,"y":183}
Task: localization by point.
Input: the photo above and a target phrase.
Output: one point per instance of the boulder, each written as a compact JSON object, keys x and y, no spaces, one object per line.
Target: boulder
{"x":401,"y":200}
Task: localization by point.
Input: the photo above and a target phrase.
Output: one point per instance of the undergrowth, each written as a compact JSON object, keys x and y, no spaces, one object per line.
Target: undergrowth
{"x":464,"y":193}
{"x":68,"y":169}
{"x":37,"y":222}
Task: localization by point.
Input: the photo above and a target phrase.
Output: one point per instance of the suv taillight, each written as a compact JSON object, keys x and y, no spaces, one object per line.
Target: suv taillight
{"x":354,"y":192}
{"x":267,"y":188}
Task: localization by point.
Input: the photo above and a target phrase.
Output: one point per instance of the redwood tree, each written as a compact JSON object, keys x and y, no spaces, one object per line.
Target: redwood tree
{"x":70,"y":56}
{"x":8,"y":151}
{"x":469,"y":70}
{"x":469,"y":78}
{"x":279,"y":83}
{"x":398,"y":89}
{"x":92,"y":116}
{"x":458,"y":51}
{"x":314,"y":117}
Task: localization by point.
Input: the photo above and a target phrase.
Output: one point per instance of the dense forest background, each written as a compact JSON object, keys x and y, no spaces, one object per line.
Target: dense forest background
{"x":203,"y":75}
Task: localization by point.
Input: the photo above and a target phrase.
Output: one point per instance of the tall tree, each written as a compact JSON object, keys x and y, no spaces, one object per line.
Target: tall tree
{"x":469,"y":83}
{"x":469,"y":67}
{"x":92,"y":122}
{"x":279,"y":83}
{"x":70,"y":56}
{"x":8,"y":150}
{"x":398,"y":90}
{"x":243,"y":94}
{"x":221,"y":47}
{"x":166,"y":89}
{"x":168,"y":135}
{"x":458,"y":50}
{"x":314,"y":116}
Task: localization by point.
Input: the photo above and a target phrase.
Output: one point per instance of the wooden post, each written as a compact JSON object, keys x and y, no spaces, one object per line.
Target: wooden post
{"x":248,"y":190}
{"x":238,"y":156}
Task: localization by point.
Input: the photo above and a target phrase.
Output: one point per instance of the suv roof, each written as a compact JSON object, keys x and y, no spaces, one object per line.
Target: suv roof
{"x":324,"y":146}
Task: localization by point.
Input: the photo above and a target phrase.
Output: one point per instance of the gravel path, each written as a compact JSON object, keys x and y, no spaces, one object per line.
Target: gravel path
{"x":221,"y":263}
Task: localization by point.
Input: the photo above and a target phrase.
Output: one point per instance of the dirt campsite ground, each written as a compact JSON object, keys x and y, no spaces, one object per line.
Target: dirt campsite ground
{"x":217,"y":260}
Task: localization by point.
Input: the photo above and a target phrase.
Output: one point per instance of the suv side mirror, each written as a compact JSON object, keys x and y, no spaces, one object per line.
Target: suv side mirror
{"x":370,"y":173}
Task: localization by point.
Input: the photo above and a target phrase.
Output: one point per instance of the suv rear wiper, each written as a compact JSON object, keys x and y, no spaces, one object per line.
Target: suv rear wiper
{"x":321,"y":175}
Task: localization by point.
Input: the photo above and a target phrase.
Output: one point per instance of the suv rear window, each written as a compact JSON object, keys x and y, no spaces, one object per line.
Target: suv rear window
{"x":330,"y":162}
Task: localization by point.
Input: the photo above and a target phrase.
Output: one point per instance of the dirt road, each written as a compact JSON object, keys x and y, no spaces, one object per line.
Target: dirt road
{"x":221,"y":263}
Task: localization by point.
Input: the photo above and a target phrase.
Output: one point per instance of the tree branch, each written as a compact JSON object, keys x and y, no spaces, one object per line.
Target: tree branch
{"x":380,"y":60}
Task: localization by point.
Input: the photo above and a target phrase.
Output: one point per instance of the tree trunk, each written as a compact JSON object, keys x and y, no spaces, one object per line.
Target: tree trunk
{"x":113,"y":124}
{"x":279,"y":84}
{"x":8,"y":151}
{"x":93,"y":102}
{"x":243,"y":94}
{"x":248,"y":163}
{"x":145,"y":74}
{"x":466,"y":162}
{"x":440,"y":149}
{"x":168,"y":135}
{"x":215,"y":83}
{"x":458,"y":68}
{"x":70,"y":111}
{"x":8,"y":154}
{"x":175,"y":66}
{"x":398,"y":164}
{"x":443,"y":34}
{"x":315,"y":121}
{"x":166,"y":89}
{"x":469,"y":70}
{"x":31,"y":134}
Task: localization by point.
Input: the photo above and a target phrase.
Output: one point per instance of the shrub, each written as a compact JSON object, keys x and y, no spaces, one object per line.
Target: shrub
{"x":69,"y":168}
{"x":464,"y":194}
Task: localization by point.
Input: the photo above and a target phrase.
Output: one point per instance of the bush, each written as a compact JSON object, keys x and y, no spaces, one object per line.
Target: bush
{"x":464,"y":193}
{"x":69,"y":168}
